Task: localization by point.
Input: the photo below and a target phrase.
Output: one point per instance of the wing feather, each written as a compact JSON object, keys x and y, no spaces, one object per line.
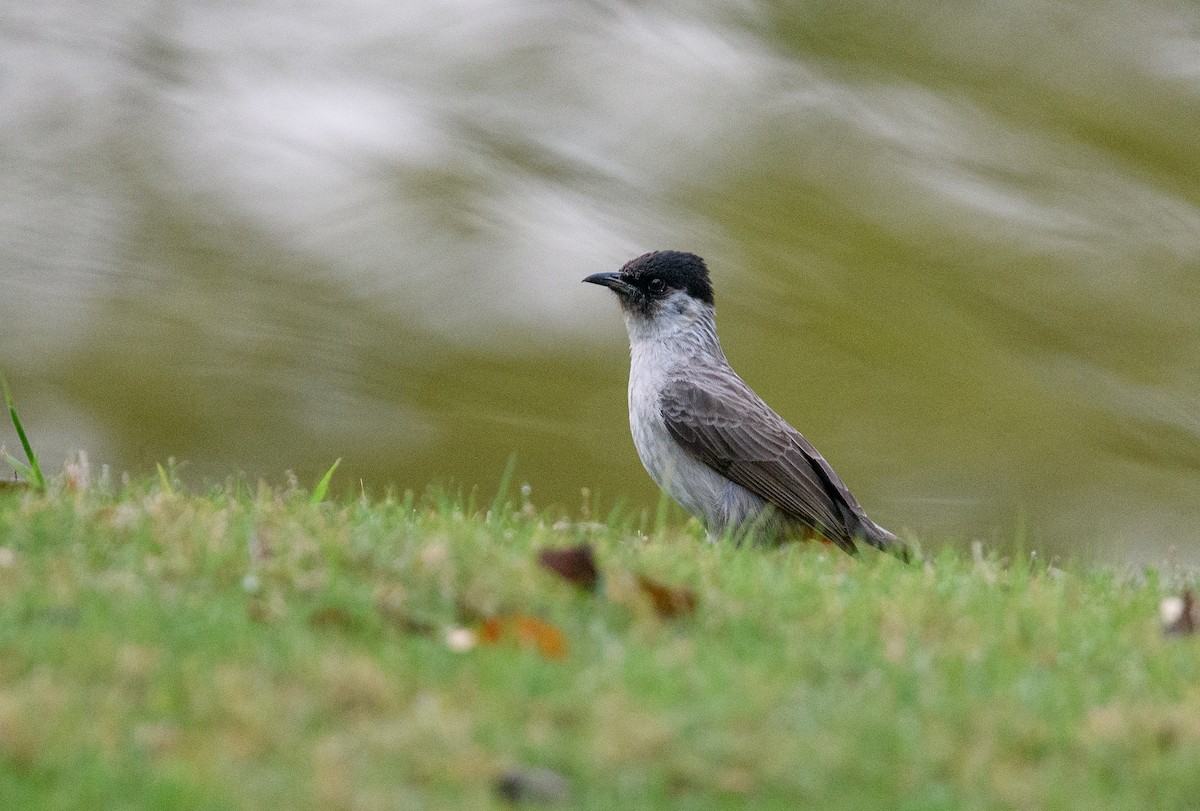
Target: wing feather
{"x":720,"y":421}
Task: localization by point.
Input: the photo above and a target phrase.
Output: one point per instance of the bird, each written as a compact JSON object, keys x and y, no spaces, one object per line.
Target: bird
{"x":702,"y":433}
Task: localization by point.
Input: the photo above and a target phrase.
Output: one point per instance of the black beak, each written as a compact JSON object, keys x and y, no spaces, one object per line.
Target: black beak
{"x":612,"y":281}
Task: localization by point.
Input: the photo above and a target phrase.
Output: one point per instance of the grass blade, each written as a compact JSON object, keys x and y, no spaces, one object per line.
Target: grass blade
{"x":16,"y":464}
{"x":318,"y":493}
{"x":164,"y":480}
{"x":510,"y":467}
{"x":32,"y":471}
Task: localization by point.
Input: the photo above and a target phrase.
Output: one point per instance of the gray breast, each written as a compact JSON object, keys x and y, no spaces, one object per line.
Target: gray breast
{"x":702,"y":491}
{"x":663,"y":349}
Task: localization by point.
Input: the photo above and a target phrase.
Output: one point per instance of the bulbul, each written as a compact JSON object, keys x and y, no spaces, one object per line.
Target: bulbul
{"x":704,"y":436}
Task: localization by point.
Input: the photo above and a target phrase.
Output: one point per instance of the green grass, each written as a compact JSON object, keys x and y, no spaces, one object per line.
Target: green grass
{"x":31,"y":470}
{"x":245,"y":648}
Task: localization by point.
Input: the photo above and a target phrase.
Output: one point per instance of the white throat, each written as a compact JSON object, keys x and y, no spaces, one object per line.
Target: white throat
{"x":682,"y":330}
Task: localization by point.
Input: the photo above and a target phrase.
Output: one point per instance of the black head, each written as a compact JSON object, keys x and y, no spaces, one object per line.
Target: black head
{"x":643,"y":283}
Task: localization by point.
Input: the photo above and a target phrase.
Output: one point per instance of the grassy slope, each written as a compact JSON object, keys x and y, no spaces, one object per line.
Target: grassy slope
{"x":241,"y":649}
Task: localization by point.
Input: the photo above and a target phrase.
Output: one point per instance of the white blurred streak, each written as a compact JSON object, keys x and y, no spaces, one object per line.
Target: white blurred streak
{"x":615,"y":114}
{"x":377,"y":143}
{"x":376,"y":139}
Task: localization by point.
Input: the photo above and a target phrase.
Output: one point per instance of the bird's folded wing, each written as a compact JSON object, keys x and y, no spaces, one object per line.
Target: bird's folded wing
{"x":720,"y":421}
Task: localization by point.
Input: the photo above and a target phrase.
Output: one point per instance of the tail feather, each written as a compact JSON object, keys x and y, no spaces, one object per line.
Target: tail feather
{"x":880,"y":538}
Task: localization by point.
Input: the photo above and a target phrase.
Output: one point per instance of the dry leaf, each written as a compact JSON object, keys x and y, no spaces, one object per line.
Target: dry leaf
{"x":668,"y":601}
{"x":575,"y":564}
{"x":526,"y":631}
{"x":333,"y":617}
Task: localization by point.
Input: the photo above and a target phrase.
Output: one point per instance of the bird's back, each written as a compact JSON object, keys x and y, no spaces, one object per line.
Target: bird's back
{"x":717,"y":419}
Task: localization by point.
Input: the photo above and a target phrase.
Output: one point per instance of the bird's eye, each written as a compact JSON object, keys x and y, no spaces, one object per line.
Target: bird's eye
{"x":656,"y":285}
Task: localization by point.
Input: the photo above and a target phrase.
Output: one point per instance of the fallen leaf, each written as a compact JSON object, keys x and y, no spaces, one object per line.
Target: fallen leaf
{"x":1179,"y":614}
{"x":668,"y":601}
{"x":526,"y":784}
{"x":526,"y":631}
{"x":492,"y":630}
{"x":333,"y":617}
{"x":575,"y":564}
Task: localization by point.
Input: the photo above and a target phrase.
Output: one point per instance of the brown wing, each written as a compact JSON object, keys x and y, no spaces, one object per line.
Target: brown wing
{"x":719,"y":420}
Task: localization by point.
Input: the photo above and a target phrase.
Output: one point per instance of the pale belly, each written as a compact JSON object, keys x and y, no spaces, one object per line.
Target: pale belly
{"x":719,"y":503}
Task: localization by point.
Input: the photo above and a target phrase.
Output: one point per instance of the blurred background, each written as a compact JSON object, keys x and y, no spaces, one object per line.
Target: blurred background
{"x":958,"y":245}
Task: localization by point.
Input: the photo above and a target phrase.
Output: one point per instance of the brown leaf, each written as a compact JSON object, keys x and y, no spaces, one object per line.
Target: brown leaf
{"x":526,"y":631}
{"x":575,"y":564}
{"x":668,"y":601}
{"x":333,"y":617}
{"x":410,"y":624}
{"x":1180,"y":617}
